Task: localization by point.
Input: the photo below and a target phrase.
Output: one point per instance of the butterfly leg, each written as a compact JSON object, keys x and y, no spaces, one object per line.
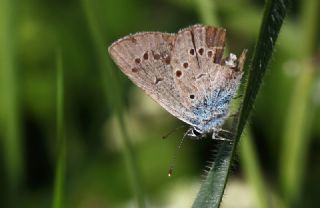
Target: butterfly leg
{"x":223,"y":130}
{"x":216,"y":134}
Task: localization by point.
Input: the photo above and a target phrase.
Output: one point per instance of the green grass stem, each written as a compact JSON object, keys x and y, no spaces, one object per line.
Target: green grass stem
{"x":61,"y":143}
{"x":211,"y":191}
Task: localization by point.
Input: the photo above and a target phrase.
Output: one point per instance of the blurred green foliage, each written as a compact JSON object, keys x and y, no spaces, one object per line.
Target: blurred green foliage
{"x":108,"y":121}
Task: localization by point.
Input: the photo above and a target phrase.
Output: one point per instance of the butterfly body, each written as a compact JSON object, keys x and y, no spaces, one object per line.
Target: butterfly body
{"x":184,"y":72}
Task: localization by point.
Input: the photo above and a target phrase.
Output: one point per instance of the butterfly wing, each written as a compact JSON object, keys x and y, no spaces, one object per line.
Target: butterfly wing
{"x":206,"y":85}
{"x":146,"y":59}
{"x":195,"y":58}
{"x":184,"y":73}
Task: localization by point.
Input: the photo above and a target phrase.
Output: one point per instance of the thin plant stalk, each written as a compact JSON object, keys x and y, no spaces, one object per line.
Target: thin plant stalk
{"x":212,"y":189}
{"x":248,"y":155}
{"x":61,"y":143}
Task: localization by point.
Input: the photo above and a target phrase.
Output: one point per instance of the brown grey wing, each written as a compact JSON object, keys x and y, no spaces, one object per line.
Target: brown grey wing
{"x":186,"y":68}
{"x":210,"y":72}
{"x":223,"y":81}
{"x":146,"y":59}
{"x":204,"y":83}
{"x":197,"y":51}
{"x":209,"y":44}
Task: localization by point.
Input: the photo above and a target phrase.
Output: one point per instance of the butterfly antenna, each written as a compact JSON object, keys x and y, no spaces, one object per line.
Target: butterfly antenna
{"x":173,"y":130}
{"x":170,"y":172}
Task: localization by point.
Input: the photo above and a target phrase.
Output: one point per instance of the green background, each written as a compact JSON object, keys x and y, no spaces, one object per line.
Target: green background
{"x":112,"y":131}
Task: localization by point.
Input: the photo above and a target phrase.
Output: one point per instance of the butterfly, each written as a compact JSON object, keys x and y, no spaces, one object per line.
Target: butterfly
{"x":185,"y":73}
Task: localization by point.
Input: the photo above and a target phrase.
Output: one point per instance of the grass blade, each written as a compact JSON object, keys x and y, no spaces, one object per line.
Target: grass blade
{"x":61,"y":143}
{"x":211,"y":191}
{"x":275,"y":12}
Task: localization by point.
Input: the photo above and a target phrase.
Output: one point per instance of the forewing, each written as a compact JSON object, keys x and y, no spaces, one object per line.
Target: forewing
{"x":146,"y":59}
{"x":186,"y":68}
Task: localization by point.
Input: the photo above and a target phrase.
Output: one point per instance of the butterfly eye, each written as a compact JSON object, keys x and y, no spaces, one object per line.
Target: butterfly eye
{"x":192,"y":97}
{"x":209,"y":54}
